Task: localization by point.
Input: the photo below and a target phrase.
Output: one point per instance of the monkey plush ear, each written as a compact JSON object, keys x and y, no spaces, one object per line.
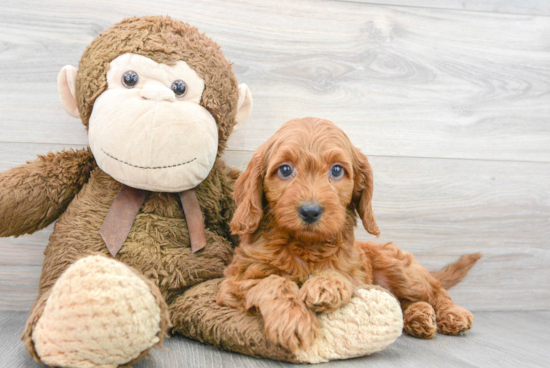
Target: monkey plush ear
{"x":244,"y":107}
{"x":66,"y":82}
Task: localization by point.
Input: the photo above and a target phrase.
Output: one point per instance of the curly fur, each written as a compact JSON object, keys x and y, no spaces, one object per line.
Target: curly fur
{"x":288,"y":269}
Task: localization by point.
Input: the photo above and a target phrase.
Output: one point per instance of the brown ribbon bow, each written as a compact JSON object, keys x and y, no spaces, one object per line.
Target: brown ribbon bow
{"x":126,"y":206}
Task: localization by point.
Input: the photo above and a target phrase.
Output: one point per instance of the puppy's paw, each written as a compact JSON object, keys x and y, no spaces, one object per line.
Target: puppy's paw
{"x":326,"y":293}
{"x":227,"y":295}
{"x":454,"y":320}
{"x":290,"y":324}
{"x":419,"y":320}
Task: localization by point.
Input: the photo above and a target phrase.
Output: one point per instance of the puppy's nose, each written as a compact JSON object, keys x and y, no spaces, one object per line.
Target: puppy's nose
{"x":310,"y":212}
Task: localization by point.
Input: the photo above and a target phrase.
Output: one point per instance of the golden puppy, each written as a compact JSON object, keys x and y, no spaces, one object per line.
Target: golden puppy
{"x":296,"y":209}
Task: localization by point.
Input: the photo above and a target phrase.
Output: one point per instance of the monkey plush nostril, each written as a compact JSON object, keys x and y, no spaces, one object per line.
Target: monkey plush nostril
{"x":310,"y":212}
{"x":155,"y":92}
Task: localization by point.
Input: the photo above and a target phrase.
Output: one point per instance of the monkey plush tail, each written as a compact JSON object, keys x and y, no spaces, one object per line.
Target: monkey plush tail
{"x":455,"y":272}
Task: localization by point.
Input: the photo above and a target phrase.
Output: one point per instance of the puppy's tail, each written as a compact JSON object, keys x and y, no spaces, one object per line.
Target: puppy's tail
{"x":455,"y":272}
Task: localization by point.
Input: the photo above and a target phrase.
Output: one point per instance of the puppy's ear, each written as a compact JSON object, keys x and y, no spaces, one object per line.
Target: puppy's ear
{"x":248,"y":196}
{"x":363,"y":191}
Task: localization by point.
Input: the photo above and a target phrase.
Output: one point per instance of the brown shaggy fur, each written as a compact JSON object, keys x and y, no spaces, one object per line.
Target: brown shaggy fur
{"x":166,"y":41}
{"x":69,"y":187}
{"x":288,"y":270}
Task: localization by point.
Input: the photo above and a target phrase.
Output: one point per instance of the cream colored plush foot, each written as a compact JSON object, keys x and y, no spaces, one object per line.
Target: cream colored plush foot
{"x":368,"y":323}
{"x":99,"y":314}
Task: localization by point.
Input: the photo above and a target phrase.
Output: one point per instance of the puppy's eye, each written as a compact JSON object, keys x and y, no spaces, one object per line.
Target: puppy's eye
{"x":337,"y":171}
{"x":130,"y":79}
{"x":179,"y":87}
{"x":285,"y":171}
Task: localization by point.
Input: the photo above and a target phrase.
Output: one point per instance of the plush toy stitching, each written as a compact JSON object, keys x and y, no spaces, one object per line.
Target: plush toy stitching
{"x":146,"y":167}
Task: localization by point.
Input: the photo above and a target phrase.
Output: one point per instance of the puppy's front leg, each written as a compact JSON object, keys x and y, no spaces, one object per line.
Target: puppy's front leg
{"x":232,"y":292}
{"x":287,"y":320}
{"x":326,"y":291}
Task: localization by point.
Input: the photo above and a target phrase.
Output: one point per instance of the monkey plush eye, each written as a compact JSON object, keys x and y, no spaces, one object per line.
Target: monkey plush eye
{"x":285,"y":171}
{"x":130,"y":79}
{"x":337,"y":171}
{"x":179,"y":87}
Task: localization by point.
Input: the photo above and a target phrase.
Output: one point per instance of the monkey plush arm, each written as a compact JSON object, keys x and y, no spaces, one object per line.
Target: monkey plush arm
{"x":34,"y":195}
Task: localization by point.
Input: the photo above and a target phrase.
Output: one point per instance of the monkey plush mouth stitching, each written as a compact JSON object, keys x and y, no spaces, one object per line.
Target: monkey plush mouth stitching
{"x":146,"y":167}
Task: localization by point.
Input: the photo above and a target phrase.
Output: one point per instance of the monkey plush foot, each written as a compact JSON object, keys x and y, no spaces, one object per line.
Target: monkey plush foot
{"x":100,"y":313}
{"x":370,"y":321}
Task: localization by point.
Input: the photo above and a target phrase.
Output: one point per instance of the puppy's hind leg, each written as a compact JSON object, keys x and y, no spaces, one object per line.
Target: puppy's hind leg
{"x":419,"y":319}
{"x":452,"y":319}
{"x":411,"y":283}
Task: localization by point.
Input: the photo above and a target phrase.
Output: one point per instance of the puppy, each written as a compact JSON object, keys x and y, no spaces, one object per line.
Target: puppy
{"x":297,"y":204}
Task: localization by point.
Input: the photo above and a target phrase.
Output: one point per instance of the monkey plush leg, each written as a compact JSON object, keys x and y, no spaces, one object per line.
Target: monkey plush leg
{"x":99,"y":313}
{"x":368,"y":323}
{"x":34,"y":195}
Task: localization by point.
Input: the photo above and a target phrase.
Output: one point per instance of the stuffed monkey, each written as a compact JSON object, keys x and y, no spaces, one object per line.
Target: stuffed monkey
{"x":142,"y":234}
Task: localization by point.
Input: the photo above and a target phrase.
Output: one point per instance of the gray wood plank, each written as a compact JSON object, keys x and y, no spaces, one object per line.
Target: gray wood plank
{"x":498,"y":339}
{"x":403,"y":81}
{"x":533,"y":7}
{"x":438,"y":209}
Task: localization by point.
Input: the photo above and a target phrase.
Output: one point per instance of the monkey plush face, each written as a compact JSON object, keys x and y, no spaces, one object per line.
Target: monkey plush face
{"x":157,"y":119}
{"x":148,"y":129}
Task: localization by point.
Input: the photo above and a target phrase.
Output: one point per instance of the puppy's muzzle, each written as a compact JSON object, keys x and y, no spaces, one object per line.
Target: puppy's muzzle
{"x":310,"y":212}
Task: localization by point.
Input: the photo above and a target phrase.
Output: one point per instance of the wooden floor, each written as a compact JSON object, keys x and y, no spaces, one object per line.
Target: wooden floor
{"x":498,"y":339}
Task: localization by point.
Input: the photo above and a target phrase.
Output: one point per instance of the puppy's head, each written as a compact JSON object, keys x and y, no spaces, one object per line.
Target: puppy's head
{"x":310,"y":179}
